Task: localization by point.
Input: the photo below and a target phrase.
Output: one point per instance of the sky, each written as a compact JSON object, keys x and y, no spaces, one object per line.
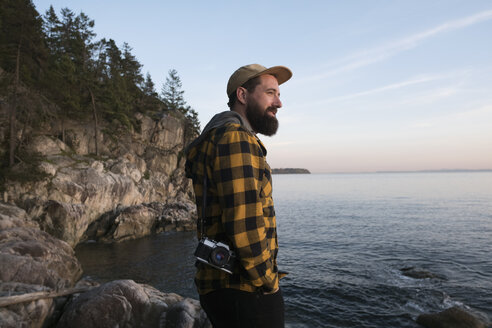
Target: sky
{"x":377,"y":85}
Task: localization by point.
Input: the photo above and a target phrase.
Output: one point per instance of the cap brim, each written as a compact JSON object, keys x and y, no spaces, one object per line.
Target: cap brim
{"x":281,"y":73}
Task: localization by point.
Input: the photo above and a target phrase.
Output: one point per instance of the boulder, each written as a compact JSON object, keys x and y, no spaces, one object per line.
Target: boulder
{"x":124,"y":303}
{"x":64,"y":221}
{"x":418,"y":273}
{"x":185,"y":314}
{"x":29,"y":314}
{"x":32,"y":256}
{"x":123,"y":223}
{"x":454,"y":317}
{"x":131,"y":222}
{"x":32,"y":261}
{"x":178,"y":216}
{"x":12,"y":217}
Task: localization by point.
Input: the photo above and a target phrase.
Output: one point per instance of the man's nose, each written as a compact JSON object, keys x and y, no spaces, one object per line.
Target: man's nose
{"x":277,"y":102}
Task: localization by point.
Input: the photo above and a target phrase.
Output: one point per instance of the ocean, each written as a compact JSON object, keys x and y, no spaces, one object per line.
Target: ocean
{"x":344,"y":239}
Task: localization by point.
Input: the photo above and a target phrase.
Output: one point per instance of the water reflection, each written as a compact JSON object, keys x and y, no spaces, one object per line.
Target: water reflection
{"x":164,"y":261}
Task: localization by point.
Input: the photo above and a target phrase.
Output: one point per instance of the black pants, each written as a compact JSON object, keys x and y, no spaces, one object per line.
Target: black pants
{"x":231,"y":308}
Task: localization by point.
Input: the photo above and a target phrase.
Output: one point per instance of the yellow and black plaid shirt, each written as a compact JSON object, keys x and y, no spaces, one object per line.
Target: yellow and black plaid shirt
{"x":239,"y":208}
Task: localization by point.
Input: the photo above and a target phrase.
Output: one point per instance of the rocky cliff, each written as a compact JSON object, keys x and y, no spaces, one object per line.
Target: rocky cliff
{"x":136,"y":186}
{"x":61,"y":194}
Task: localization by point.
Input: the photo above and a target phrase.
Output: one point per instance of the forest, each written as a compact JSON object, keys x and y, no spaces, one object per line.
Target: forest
{"x":75,"y":76}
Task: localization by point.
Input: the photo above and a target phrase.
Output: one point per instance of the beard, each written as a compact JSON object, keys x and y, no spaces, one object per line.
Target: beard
{"x":260,"y":121}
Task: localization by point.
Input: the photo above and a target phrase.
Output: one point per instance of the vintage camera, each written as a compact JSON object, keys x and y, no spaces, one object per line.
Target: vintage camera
{"x":216,"y":254}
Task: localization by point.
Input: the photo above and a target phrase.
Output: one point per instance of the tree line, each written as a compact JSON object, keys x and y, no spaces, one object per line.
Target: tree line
{"x":57,"y":55}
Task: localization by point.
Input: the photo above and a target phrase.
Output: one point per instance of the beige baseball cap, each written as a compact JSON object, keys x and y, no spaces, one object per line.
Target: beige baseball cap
{"x":246,"y":73}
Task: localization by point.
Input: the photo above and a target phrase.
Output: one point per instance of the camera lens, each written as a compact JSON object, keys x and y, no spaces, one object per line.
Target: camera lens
{"x":219,"y":256}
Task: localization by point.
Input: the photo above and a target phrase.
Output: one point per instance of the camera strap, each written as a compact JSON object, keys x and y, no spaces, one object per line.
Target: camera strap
{"x":204,"y":201}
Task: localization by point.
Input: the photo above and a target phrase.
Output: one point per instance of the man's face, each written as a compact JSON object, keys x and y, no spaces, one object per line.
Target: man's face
{"x":262,"y":105}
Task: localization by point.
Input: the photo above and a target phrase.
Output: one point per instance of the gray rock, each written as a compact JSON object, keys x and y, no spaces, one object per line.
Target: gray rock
{"x":454,"y":317}
{"x":46,"y":145}
{"x":178,"y":216}
{"x":64,"y":221}
{"x":31,"y":256}
{"x":124,"y":303}
{"x":32,"y":261}
{"x":185,"y":314}
{"x":418,"y":273}
{"x":123,"y":223}
{"x":32,"y":314}
{"x":12,"y":216}
{"x":135,"y":167}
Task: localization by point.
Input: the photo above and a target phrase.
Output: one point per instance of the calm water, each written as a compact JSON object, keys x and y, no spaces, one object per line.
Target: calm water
{"x":344,"y":239}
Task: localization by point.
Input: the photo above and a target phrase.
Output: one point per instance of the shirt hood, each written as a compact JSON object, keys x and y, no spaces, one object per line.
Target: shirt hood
{"x":219,"y":120}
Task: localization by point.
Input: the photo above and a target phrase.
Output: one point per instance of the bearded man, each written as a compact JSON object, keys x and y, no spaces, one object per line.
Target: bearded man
{"x":237,"y":275}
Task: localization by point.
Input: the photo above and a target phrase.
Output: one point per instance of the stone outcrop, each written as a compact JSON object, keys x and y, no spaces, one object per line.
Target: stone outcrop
{"x":32,"y":314}
{"x":31,"y":261}
{"x":124,"y":223}
{"x":78,"y":190}
{"x":454,"y":317}
{"x":34,"y":261}
{"x":124,"y":303}
{"x":418,"y":273}
{"x":65,"y":194}
{"x":31,"y":256}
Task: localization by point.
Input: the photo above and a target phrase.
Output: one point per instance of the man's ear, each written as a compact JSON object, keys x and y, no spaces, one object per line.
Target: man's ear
{"x":241,"y":95}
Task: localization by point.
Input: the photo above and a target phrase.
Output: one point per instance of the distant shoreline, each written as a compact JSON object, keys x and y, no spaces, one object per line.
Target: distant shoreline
{"x":416,"y":171}
{"x":437,"y":171}
{"x":290,"y":171}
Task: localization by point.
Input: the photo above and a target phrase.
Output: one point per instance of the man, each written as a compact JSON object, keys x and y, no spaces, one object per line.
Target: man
{"x":239,"y":208}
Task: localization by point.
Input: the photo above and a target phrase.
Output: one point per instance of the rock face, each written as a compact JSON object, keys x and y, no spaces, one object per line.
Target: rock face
{"x":134,"y":187}
{"x":454,"y":317}
{"x":124,"y":303}
{"x":31,"y":256}
{"x":131,"y":222}
{"x":34,"y":261}
{"x":78,"y":189}
{"x":31,"y":261}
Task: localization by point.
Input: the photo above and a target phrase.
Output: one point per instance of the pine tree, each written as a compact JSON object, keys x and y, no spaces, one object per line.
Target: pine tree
{"x":172,"y":96}
{"x":22,"y":53}
{"x":70,"y":80}
{"x":194,"y":122}
{"x":171,"y":93}
{"x":148,"y":87}
{"x":150,"y":102}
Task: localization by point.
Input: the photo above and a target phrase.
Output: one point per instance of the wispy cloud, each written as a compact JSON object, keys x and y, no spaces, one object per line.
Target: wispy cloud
{"x":380,"y":53}
{"x":422,"y":79}
{"x":394,"y":86}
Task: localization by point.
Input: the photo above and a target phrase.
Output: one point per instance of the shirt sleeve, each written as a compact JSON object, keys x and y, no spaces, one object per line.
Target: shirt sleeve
{"x":238,"y":172}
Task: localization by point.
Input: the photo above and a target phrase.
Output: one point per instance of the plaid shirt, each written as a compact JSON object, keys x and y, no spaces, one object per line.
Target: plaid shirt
{"x":239,"y":208}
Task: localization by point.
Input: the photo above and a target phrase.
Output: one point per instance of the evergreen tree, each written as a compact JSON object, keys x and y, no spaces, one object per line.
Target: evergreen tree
{"x":148,"y":87}
{"x":150,"y":101}
{"x":171,"y":94}
{"x":22,"y":47}
{"x":70,"y":80}
{"x":86,"y":79}
{"x":193,"y":121}
{"x":131,"y":67}
{"x":22,"y":54}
